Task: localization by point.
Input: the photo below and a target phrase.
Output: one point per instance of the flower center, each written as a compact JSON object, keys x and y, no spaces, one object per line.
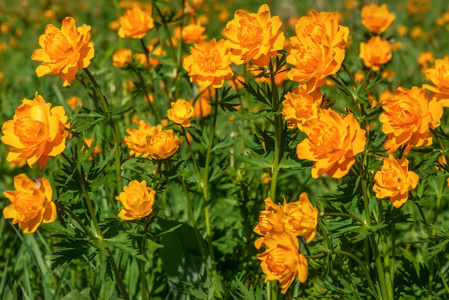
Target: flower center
{"x":28,"y":205}
{"x":210,"y":61}
{"x":325,"y":139}
{"x":309,"y":58}
{"x":403,"y":114}
{"x":27,"y":130}
{"x":275,"y":260}
{"x":316,"y":31}
{"x":391,"y":178}
{"x":250,"y":33}
{"x":134,"y":197}
{"x":57,"y":46}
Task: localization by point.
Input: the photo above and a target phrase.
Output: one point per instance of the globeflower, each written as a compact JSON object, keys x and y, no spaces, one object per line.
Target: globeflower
{"x":254,"y":37}
{"x":137,"y":200}
{"x":135,"y":23}
{"x":64,"y":51}
{"x":162,"y":143}
{"x":394,"y":180}
{"x":282,"y":260}
{"x":122,"y":57}
{"x":301,"y":218}
{"x":333,"y":142}
{"x":300,"y":106}
{"x":209,"y":64}
{"x":376,"y":18}
{"x":180,"y":112}
{"x":30,"y":203}
{"x":375,"y":53}
{"x":193,"y":33}
{"x":439,"y":76}
{"x":36,"y":132}
{"x":270,"y":219}
{"x":137,"y":139}
{"x":408,"y":117}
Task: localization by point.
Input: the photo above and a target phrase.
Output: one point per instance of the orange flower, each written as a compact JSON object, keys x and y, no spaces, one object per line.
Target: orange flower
{"x":162,"y":143}
{"x":137,"y":139}
{"x":137,"y":200}
{"x":333,"y":142}
{"x":282,"y":260}
{"x":301,"y":218}
{"x":30,"y":203}
{"x":408,"y":117}
{"x":135,"y":23}
{"x":376,"y":18}
{"x":122,"y":57}
{"x":153,"y":55}
{"x":254,"y":37}
{"x":202,"y":108}
{"x":439,"y":76}
{"x":36,"y":132}
{"x":209,"y":64}
{"x":300,"y":106}
{"x":270,"y":219}
{"x":375,"y":53}
{"x":395,"y":180}
{"x":64,"y":51}
{"x":318,"y":49}
{"x":97,"y":148}
{"x":73,"y":102}
{"x":180,"y":112}
{"x":193,"y":33}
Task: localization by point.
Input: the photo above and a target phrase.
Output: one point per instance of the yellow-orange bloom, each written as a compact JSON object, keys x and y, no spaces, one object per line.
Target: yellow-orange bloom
{"x":36,"y":132}
{"x":270,"y":219}
{"x":375,"y":53}
{"x":135,"y":23}
{"x":202,"y":108}
{"x":137,"y":139}
{"x":193,"y":33}
{"x":180,"y":112}
{"x":254,"y":37}
{"x":439,"y":76}
{"x":333,"y":142}
{"x":30,"y":203}
{"x":162,"y":143}
{"x":73,"y":102}
{"x":122,"y":57}
{"x":209,"y":64}
{"x":376,"y":18}
{"x":301,"y":218}
{"x":408,"y":117}
{"x":137,"y":200}
{"x":394,"y":180}
{"x":64,"y":51}
{"x":300,"y":106}
{"x":282,"y":260}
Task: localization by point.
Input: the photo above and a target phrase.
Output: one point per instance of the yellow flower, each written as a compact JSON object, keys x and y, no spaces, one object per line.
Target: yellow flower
{"x":300,"y":106}
{"x":137,"y":200}
{"x":402,"y":30}
{"x":193,"y":33}
{"x":64,"y":51}
{"x":408,"y":117}
{"x":209,"y":64}
{"x":301,"y":218}
{"x":73,"y":102}
{"x":122,"y":57}
{"x":282,"y":260}
{"x":376,"y":18}
{"x":375,"y":53}
{"x":36,"y":132}
{"x":439,"y":76}
{"x":162,"y":143}
{"x":202,"y":108}
{"x":394,"y":180}
{"x":180,"y":112}
{"x":254,"y":37}
{"x":137,"y":139}
{"x":30,"y":203}
{"x":333,"y":142}
{"x":270,"y":219}
{"x":135,"y":23}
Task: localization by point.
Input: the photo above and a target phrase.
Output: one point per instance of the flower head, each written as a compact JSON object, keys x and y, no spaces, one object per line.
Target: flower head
{"x":439,"y":76}
{"x":375,"y":53}
{"x":30,"y":203}
{"x":137,"y":200}
{"x":64,"y":51}
{"x":394,"y":180}
{"x":180,"y":112}
{"x":135,"y":23}
{"x":333,"y":142}
{"x":300,"y":106}
{"x":301,"y":218}
{"x":376,"y":18}
{"x":137,"y":139}
{"x":193,"y":33}
{"x":36,"y":132}
{"x":122,"y":57}
{"x":270,"y":219}
{"x":254,"y":37}
{"x":162,"y":143}
{"x":209,"y":64}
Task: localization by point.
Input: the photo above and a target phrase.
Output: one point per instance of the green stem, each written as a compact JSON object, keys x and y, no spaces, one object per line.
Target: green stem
{"x":278,"y":132}
{"x":206,"y":197}
{"x":120,"y":282}
{"x":192,"y":155}
{"x":393,"y":252}
{"x":348,"y":92}
{"x":143,"y":279}
{"x":164,"y":23}
{"x":77,"y":219}
{"x":386,"y":250}
{"x":147,"y":56}
{"x":118,"y":162}
{"x":349,"y":74}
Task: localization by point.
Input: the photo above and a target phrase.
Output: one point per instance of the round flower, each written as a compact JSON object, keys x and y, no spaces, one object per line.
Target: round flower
{"x":254,"y":37}
{"x":282,"y":260}
{"x":193,"y":33}
{"x":162,"y":143}
{"x":270,"y":219}
{"x":301,"y":218}
{"x":137,"y":200}
{"x":333,"y":142}
{"x":36,"y":132}
{"x":135,"y":23}
{"x":394,"y":180}
{"x":408,"y":117}
{"x":209,"y":64}
{"x":30,"y":203}
{"x":137,"y":139}
{"x":180,"y":112}
{"x":439,"y":76}
{"x":64,"y":51}
{"x":73,"y":102}
{"x":376,"y":18}
{"x":300,"y":106}
{"x":375,"y":53}
{"x":122,"y":57}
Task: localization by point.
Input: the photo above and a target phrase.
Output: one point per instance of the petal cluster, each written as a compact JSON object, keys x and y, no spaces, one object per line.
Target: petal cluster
{"x":122,"y":57}
{"x":394,"y":180}
{"x":180,"y":112}
{"x":135,"y":23}
{"x":254,"y":37}
{"x":376,"y":18}
{"x":439,"y":76}
{"x":30,"y":203}
{"x":137,"y":200}
{"x":36,"y":132}
{"x":64,"y":51}
{"x":301,"y":106}
{"x":375,"y":53}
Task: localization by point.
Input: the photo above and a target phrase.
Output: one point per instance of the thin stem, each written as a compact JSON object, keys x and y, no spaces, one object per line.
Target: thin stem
{"x":77,"y":219}
{"x":348,"y":92}
{"x":164,"y":23}
{"x":120,"y":282}
{"x":349,"y":73}
{"x":143,"y":279}
{"x":192,"y":155}
{"x":386,"y":251}
{"x":278,"y":132}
